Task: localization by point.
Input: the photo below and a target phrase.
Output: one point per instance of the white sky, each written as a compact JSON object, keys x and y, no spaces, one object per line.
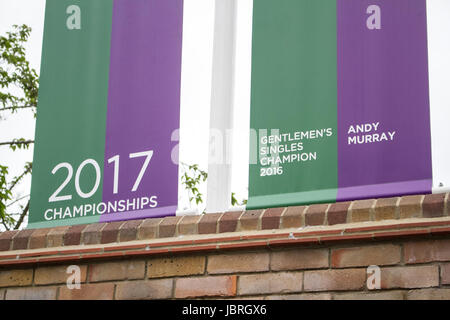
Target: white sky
{"x":195,"y":92}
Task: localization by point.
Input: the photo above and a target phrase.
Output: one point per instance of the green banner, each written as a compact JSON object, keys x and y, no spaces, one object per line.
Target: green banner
{"x":74,"y":77}
{"x":340,"y":101}
{"x":109,"y":102}
{"x":293,"y":103}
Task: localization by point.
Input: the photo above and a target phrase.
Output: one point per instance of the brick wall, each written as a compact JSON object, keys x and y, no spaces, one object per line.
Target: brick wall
{"x":315,"y":252}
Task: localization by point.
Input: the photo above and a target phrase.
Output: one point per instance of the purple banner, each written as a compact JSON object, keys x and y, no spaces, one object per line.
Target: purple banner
{"x":143,"y":109}
{"x":383,"y":101}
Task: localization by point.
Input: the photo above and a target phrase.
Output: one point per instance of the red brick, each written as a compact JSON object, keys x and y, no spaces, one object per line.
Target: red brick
{"x":445,"y":273}
{"x":220,"y":286}
{"x":301,"y":296}
{"x":337,"y":213}
{"x":97,"y":291}
{"x":175,"y":266}
{"x":299,"y":259}
{"x":6,"y":240}
{"x":188,"y":225}
{"x":335,"y":280}
{"x":427,"y":251}
{"x":72,"y":237}
{"x":386,"y":209}
{"x":429,"y":294}
{"x":38,"y":238}
{"x":271,"y":218}
{"x":382,"y":295}
{"x":149,"y":229}
{"x":315,"y":215}
{"x":293,"y":217}
{"x":385,"y":254}
{"x":92,"y":234}
{"x":229,"y":221}
{"x":433,"y":205}
{"x":410,"y":277}
{"x":447,"y":205}
{"x":243,"y":245}
{"x":110,"y":233}
{"x":238,"y":262}
{"x":43,"y":293}
{"x":20,"y":241}
{"x":280,"y":282}
{"x":397,"y":234}
{"x":250,"y":220}
{"x":208,"y":223}
{"x":201,"y":248}
{"x":410,"y":207}
{"x":302,"y":241}
{"x":16,"y":278}
{"x":255,"y":298}
{"x":56,"y":274}
{"x":117,"y":270}
{"x":55,"y":238}
{"x":74,"y":257}
{"x":168,"y":227}
{"x":361,"y":210}
{"x":352,"y":238}
{"x":143,"y":290}
{"x":128,"y":231}
{"x":438,"y":231}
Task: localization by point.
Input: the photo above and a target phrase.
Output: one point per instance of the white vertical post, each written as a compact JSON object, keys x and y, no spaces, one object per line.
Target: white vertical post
{"x":438,"y":12}
{"x":222,"y":96}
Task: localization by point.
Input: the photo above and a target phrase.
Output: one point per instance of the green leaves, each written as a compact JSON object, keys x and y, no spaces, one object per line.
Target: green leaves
{"x":19,"y":85}
{"x":192,"y":179}
{"x":16,"y":73}
{"x":235,"y":202}
{"x":5,"y":193}
{"x":17,"y":144}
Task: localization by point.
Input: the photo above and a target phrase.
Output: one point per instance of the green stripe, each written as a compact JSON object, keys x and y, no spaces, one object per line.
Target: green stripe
{"x":294,"y":88}
{"x":71,"y":120}
{"x":60,"y":223}
{"x":297,"y":198}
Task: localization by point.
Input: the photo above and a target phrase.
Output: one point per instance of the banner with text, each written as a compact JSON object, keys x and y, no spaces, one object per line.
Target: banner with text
{"x":109,"y":105}
{"x":339,"y":101}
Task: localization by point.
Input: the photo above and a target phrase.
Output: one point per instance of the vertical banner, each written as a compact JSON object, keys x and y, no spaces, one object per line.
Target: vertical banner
{"x":339,"y":105}
{"x":109,"y":103}
{"x":383,"y":101}
{"x":143,"y":107}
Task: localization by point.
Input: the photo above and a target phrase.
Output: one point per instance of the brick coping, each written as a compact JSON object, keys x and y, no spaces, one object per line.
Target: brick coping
{"x":373,"y":214}
{"x":243,"y":240}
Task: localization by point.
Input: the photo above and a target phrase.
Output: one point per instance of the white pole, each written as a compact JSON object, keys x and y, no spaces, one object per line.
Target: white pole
{"x":222,"y":96}
{"x":438,"y":12}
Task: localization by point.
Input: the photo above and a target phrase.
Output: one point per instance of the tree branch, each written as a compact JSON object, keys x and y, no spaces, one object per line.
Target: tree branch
{"x":28,"y":169}
{"x":17,"y":200}
{"x":15,"y":108}
{"x":22,"y":216}
{"x":4,"y":224}
{"x":16,"y":143}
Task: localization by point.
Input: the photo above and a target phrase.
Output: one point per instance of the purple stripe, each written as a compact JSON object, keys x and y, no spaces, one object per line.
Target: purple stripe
{"x":383,"y":78}
{"x":385,"y":190}
{"x":140,"y":214}
{"x":144,"y":101}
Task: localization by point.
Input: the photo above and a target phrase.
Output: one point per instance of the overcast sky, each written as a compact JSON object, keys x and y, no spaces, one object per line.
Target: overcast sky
{"x":195,"y":91}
